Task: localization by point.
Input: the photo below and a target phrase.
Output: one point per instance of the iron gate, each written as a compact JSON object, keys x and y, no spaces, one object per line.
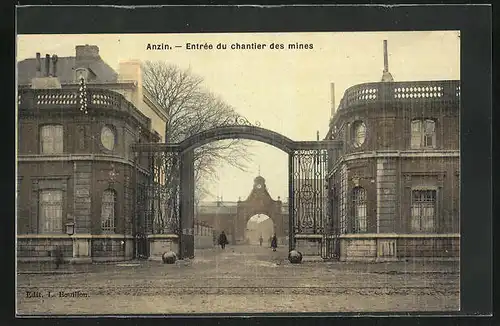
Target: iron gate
{"x":157,"y":197}
{"x":168,"y":198}
{"x":311,"y":209}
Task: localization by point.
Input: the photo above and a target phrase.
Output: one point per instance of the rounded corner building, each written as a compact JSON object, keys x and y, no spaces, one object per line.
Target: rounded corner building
{"x":395,"y":185}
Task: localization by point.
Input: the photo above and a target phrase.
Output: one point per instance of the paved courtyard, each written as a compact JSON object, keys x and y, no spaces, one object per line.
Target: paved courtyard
{"x":240,"y":279}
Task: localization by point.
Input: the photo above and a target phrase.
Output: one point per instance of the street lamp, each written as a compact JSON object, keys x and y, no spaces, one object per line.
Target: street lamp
{"x":70,"y":228}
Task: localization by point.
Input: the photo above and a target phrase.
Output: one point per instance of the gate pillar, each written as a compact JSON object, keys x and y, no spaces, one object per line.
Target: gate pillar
{"x":186,"y":229}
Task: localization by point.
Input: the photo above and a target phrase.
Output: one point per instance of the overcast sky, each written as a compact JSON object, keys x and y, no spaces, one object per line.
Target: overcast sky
{"x":287,"y":91}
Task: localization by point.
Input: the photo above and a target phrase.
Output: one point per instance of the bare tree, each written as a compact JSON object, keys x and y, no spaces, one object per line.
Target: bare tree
{"x":191,"y":109}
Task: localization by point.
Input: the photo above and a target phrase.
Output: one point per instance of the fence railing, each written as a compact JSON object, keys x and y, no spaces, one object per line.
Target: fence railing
{"x":417,"y":91}
{"x":64,"y":99}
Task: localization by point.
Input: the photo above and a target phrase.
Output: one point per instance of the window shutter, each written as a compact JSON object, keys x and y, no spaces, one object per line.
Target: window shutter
{"x":416,"y":134}
{"x":58,"y":139}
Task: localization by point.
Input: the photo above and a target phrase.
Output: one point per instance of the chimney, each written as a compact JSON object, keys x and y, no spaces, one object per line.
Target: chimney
{"x":386,"y":59}
{"x":38,"y":65}
{"x":131,"y":71}
{"x":47,"y":65}
{"x":332,"y":91}
{"x":87,"y":52}
{"x":386,"y":75}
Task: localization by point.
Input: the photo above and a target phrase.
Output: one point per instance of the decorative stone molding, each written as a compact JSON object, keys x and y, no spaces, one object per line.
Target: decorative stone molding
{"x":32,"y":158}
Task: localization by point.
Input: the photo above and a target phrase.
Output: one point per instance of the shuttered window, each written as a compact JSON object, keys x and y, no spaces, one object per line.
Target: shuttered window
{"x":51,"y":139}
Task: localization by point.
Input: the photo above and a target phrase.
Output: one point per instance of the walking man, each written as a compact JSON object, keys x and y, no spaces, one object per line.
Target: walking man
{"x":274,"y":242}
{"x":261,"y":240}
{"x":223,"y":240}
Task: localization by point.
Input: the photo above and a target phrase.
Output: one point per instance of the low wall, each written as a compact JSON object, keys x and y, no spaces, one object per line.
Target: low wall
{"x":75,"y":248}
{"x":203,"y":242}
{"x":112,"y":248}
{"x":203,"y":236}
{"x":40,"y":248}
{"x":387,"y":247}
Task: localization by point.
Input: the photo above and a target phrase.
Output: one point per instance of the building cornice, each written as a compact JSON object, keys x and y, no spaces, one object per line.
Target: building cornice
{"x":29,"y":158}
{"x":422,"y":154}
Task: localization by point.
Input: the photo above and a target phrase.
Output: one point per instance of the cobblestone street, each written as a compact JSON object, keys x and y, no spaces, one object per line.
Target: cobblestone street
{"x":240,"y":279}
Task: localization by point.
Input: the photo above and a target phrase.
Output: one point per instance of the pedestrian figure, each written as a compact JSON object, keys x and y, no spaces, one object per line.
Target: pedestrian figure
{"x":59,"y":256}
{"x":223,"y":240}
{"x":274,"y":242}
{"x":261,"y":240}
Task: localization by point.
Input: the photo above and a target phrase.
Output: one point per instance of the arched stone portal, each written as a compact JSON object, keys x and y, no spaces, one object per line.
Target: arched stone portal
{"x":258,"y":202}
{"x":309,"y":211}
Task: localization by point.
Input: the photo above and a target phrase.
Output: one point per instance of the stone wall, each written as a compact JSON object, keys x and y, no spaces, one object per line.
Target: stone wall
{"x":358,"y":249}
{"x":102,"y":248}
{"x":380,"y":247}
{"x":386,"y":195}
{"x":429,"y":247}
{"x":308,"y":246}
{"x":112,"y":248}
{"x":203,"y":236}
{"x":38,"y":248}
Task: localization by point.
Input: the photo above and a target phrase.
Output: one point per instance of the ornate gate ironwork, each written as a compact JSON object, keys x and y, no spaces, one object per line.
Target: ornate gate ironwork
{"x":157,"y":197}
{"x":169,"y":201}
{"x":309,"y":200}
{"x":311,"y":197}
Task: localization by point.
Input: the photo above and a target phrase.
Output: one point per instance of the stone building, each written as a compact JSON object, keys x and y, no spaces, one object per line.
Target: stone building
{"x":233,"y":217}
{"x":77,"y":118}
{"x":396,"y":184}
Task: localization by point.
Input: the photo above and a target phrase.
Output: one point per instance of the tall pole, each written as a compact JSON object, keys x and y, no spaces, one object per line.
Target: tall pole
{"x":386,"y":57}
{"x":291,"y":240}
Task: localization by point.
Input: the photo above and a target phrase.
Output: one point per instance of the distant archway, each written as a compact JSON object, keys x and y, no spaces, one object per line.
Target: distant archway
{"x":259,"y":226}
{"x":258,"y":202}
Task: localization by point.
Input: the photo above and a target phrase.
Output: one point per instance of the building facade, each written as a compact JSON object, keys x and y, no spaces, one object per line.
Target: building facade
{"x":396,"y":183}
{"x":76,"y":174}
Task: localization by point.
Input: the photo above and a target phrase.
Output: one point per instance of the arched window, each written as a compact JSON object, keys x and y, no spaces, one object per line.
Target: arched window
{"x":51,"y":139}
{"x":108,"y":211}
{"x":359,"y":205}
{"x":423,"y":133}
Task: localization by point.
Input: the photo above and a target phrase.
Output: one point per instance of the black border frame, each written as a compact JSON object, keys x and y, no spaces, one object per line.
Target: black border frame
{"x":474,"y":22}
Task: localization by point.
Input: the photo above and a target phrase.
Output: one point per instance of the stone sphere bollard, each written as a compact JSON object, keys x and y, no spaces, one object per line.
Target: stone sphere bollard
{"x":169,"y":257}
{"x":295,"y":257}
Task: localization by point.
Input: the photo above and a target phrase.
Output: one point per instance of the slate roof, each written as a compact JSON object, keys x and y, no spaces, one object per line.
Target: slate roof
{"x":65,"y":70}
